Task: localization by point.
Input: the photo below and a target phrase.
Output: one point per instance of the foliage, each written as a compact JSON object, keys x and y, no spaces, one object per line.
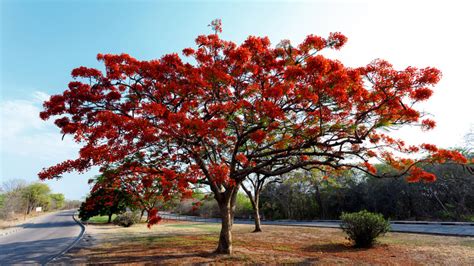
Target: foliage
{"x":17,"y":196}
{"x":57,"y":200}
{"x":288,"y":200}
{"x":243,"y":207}
{"x":240,"y":110}
{"x":364,"y":227}
{"x":451,"y":197}
{"x":142,"y":192}
{"x":126,"y":219}
{"x":36,"y":195}
{"x":205,"y":206}
{"x":104,"y":199}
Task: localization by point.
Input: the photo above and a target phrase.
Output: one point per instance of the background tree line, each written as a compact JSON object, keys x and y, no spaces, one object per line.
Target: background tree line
{"x":451,"y":197}
{"x":17,"y":197}
{"x":310,"y":195}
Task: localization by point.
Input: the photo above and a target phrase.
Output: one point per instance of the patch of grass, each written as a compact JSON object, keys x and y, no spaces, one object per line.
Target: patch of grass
{"x":209,"y":238}
{"x":101,"y":219}
{"x":468,"y":243}
{"x":282,"y":248}
{"x":173,"y":241}
{"x":212,"y":228}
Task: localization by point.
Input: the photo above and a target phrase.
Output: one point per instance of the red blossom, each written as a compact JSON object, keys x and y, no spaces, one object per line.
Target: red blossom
{"x":258,"y":136}
{"x":421,"y":94}
{"x":428,"y":124}
{"x":416,"y":174}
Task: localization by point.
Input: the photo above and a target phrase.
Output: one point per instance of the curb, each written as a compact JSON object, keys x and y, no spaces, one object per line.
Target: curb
{"x":391,"y":230}
{"x":81,"y":234}
{"x":430,"y":233}
{"x":8,"y":232}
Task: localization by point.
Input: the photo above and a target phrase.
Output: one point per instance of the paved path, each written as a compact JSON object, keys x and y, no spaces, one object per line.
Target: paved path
{"x":459,"y":229}
{"x":39,"y":241}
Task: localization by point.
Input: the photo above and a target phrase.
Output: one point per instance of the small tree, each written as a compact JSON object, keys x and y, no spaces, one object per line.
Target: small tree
{"x":144,"y":190}
{"x":257,"y":183}
{"x":104,"y":199}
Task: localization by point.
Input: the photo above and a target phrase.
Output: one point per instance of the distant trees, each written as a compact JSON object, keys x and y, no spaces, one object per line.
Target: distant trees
{"x":451,"y":197}
{"x":17,"y":196}
{"x":11,"y":197}
{"x":58,"y":201}
{"x":36,"y":195}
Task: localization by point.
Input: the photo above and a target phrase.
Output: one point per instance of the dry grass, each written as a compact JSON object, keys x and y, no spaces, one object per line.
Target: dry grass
{"x":186,"y":242}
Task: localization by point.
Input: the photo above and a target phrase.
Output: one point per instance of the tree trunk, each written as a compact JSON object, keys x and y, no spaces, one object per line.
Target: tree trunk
{"x":322,"y":212}
{"x":141,"y":215}
{"x":110,"y":218}
{"x":225,"y":237}
{"x":256,"y":210}
{"x":256,"y":216}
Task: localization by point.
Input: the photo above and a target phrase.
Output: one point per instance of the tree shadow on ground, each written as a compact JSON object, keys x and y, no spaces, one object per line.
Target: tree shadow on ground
{"x":48,"y":224}
{"x":32,"y":252}
{"x":332,"y":248}
{"x":132,"y":255}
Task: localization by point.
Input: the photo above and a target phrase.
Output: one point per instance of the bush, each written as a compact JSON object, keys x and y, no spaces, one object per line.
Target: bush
{"x":126,"y":219}
{"x":364,"y":227}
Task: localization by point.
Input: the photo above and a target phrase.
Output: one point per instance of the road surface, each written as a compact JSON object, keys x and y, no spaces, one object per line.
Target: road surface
{"x":40,"y":240}
{"x":453,"y":229}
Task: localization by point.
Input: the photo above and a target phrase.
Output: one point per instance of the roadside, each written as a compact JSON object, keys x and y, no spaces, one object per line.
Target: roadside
{"x":183,"y":242}
{"x":14,"y":225}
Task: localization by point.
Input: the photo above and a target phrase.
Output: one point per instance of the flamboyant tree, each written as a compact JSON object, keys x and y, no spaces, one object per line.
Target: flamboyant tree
{"x":144,"y":191}
{"x":236,"y":110}
{"x":105,"y":198}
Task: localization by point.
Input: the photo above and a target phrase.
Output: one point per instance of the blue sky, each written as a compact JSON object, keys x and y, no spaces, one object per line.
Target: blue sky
{"x":42,"y":41}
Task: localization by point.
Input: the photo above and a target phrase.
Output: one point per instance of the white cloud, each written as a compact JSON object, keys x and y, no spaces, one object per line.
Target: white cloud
{"x":40,"y":96}
{"x":24,"y":133}
{"x":18,"y":116}
{"x":28,"y":144}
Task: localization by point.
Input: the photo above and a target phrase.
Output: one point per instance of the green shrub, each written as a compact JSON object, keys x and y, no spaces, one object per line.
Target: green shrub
{"x":364,"y":227}
{"x":126,"y":219}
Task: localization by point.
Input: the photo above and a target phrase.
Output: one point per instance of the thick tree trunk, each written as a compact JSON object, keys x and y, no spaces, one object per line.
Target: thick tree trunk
{"x":225,"y":237}
{"x":141,"y":215}
{"x":110,"y":218}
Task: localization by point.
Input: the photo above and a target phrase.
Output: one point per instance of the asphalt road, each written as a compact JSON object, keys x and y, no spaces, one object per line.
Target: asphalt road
{"x":457,"y":229}
{"x":40,"y":240}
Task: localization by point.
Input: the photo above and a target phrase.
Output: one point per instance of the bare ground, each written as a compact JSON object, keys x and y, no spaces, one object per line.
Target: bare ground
{"x":173,"y":242}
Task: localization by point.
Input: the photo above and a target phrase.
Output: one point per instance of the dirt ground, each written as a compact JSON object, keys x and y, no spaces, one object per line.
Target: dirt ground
{"x":173,"y":242}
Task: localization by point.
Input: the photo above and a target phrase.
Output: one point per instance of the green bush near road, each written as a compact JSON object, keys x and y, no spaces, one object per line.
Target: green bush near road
{"x":364,"y":227}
